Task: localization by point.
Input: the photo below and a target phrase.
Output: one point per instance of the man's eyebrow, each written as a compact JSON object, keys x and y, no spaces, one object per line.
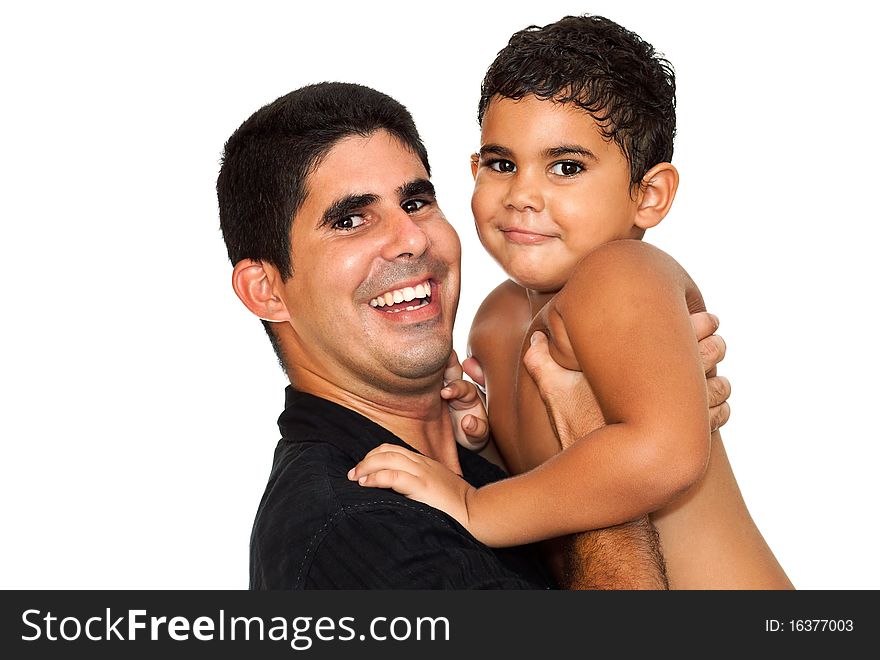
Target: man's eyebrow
{"x":416,"y":187}
{"x":569,"y":149}
{"x":345,"y":206}
{"x":495,"y":150}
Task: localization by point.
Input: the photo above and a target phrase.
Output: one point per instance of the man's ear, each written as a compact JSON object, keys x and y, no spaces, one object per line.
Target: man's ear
{"x":475,"y":163}
{"x":656,"y":192}
{"x":256,"y":284}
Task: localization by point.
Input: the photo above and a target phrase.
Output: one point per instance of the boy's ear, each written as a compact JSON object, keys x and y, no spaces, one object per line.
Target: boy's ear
{"x":656,"y":192}
{"x":256,"y":284}
{"x":475,"y":163}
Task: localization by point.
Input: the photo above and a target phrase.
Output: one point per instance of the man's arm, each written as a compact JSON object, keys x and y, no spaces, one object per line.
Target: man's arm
{"x":626,"y":556}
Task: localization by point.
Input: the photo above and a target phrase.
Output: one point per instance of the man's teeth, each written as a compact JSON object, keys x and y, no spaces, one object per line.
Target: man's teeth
{"x":421,"y":291}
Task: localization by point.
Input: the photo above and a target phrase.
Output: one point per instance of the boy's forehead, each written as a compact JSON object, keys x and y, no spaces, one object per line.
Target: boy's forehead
{"x":507,"y":118}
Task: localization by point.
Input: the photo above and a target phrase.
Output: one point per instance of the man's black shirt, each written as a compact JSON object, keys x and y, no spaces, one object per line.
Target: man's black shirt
{"x":315,"y":529}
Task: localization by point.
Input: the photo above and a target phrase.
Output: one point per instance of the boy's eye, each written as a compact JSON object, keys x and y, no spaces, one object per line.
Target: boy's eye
{"x":501,"y":165}
{"x":567,"y":168}
{"x":349,"y":222}
{"x":413,"y":205}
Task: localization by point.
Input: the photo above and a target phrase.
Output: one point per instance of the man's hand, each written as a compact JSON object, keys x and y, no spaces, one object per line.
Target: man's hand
{"x":571,"y":404}
{"x":712,"y":350}
{"x":417,"y":477}
{"x":470,"y":423}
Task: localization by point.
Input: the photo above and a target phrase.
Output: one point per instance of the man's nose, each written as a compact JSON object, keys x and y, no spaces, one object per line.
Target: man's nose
{"x":524,"y":192}
{"x":406,"y":237}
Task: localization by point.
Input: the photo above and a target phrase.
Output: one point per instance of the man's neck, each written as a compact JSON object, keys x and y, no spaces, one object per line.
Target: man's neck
{"x":420,"y":419}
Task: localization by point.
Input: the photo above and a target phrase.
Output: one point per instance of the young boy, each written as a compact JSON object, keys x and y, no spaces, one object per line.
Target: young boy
{"x":577,"y":124}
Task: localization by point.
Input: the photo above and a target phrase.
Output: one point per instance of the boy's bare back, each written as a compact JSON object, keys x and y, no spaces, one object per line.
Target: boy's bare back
{"x":622,"y":319}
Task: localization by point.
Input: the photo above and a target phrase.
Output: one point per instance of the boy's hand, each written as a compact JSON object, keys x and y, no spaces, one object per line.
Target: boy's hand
{"x":470,"y":423}
{"x":712,"y":350}
{"x":473,"y":369}
{"x":417,"y":477}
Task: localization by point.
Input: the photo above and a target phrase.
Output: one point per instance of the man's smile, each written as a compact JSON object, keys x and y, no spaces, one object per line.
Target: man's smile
{"x":404,"y":299}
{"x":416,"y":301}
{"x":395,"y":298}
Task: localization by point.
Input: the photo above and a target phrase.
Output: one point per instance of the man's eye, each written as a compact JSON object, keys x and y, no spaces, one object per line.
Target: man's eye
{"x":413,"y":205}
{"x":501,"y":165}
{"x":349,"y":222}
{"x":567,"y":168}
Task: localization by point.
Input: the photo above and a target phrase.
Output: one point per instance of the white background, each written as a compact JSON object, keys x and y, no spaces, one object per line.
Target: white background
{"x":139,"y":398}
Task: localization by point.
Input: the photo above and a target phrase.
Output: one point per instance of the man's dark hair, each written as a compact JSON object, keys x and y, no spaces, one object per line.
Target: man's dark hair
{"x":266,"y":162}
{"x":601,"y":67}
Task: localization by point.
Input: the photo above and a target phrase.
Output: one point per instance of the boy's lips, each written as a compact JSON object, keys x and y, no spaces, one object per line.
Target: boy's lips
{"x":523,"y":236}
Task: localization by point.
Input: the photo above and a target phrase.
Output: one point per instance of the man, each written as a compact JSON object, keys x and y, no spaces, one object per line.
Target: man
{"x":326,"y":207}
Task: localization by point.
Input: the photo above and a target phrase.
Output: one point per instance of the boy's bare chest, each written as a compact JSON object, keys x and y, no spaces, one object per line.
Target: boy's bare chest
{"x":517,"y":415}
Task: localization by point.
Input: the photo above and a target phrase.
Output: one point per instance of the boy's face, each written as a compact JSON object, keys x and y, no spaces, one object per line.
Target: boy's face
{"x":548,"y":189}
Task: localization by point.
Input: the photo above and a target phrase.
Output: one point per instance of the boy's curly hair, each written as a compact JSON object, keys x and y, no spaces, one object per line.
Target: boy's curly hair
{"x":601,"y":67}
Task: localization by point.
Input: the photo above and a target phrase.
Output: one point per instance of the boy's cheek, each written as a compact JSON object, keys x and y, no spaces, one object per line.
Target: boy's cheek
{"x":484,"y":205}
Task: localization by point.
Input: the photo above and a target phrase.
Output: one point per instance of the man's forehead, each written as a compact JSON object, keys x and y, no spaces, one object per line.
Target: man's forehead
{"x":378,"y":164}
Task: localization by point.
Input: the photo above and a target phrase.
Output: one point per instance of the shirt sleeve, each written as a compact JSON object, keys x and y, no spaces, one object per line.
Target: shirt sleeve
{"x":406,"y":546}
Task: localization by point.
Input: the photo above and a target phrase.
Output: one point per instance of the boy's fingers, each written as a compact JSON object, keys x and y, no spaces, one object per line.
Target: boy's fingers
{"x":472,"y":368}
{"x":384,"y":461}
{"x":402,"y":482}
{"x":704,"y":324}
{"x":475,"y":427}
{"x":460,"y":394}
{"x":453,"y":369}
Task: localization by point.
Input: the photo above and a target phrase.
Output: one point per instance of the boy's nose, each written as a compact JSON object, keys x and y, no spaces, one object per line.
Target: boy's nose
{"x":406,"y":238}
{"x":524,"y":193}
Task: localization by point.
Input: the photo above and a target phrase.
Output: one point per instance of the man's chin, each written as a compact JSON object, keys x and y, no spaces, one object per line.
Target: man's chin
{"x":419,"y":362}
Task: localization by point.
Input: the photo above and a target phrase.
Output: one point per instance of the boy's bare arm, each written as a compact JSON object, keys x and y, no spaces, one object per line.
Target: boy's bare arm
{"x":495,"y":341}
{"x":626,"y":556}
{"x":624,"y":319}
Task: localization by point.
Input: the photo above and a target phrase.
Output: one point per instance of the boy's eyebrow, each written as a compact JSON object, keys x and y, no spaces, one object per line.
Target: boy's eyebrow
{"x":495,"y":150}
{"x":568,"y":149}
{"x":345,"y":206}
{"x":551,"y":152}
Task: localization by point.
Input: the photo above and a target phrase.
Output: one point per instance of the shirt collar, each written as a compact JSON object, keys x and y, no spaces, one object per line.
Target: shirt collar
{"x":308,"y":417}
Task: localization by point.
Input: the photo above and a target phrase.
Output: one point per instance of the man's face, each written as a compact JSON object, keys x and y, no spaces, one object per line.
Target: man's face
{"x":376,"y":268}
{"x":548,"y":189}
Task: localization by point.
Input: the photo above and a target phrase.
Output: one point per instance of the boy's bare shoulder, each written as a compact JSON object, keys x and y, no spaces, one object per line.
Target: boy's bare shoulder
{"x":627,"y":256}
{"x":505,"y":309}
{"x":619,"y":267}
